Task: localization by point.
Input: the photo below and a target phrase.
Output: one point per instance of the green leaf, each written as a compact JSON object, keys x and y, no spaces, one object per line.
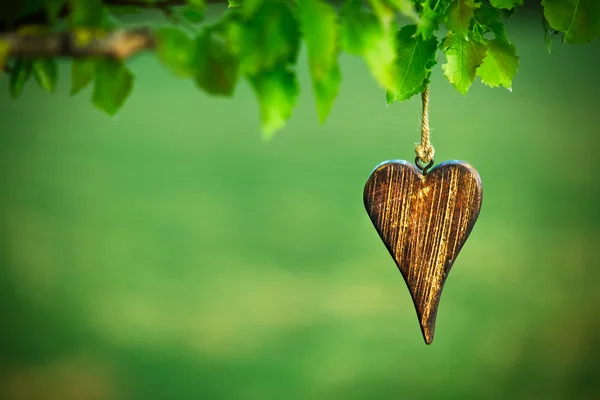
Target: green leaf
{"x":405,"y":7}
{"x":500,"y":64}
{"x":123,"y":10}
{"x":249,"y":7}
{"x":82,"y":73}
{"x":459,"y":16}
{"x":489,"y":19}
{"x":234,"y":3}
{"x":548,"y":34}
{"x":194,"y":10}
{"x":365,"y":24}
{"x":277,"y":91}
{"x":217,"y":66}
{"x":88,"y":13}
{"x":192,"y":14}
{"x":109,"y":21}
{"x":32,"y":30}
{"x":441,"y":6}
{"x":4,"y":51}
{"x":176,"y":50}
{"x":319,"y":26}
{"x":267,"y":37}
{"x":429,"y":21}
{"x":373,"y":38}
{"x":506,"y":4}
{"x":45,"y":73}
{"x":53,"y":8}
{"x":463,"y":57}
{"x":20,"y":74}
{"x":199,"y":5}
{"x":112,"y":85}
{"x":578,"y":19}
{"x":416,"y":57}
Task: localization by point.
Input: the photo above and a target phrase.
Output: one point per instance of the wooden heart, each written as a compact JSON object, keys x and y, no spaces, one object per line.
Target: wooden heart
{"x":424,"y":220}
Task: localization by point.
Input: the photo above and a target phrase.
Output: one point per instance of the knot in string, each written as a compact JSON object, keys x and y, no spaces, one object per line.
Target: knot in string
{"x":425,"y":150}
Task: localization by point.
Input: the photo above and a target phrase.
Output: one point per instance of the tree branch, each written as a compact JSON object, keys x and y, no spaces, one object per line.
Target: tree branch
{"x":119,"y":44}
{"x":158,"y":4}
{"x":40,"y":17}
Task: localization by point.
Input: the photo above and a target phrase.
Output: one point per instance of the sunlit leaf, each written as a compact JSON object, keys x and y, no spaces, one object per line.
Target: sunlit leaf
{"x":416,"y":57}
{"x":506,"y":4}
{"x":405,"y":7}
{"x":373,"y":38}
{"x":277,"y":91}
{"x":268,"y":37}
{"x":459,"y":16}
{"x":500,"y":64}
{"x":463,"y":57}
{"x":319,"y":27}
{"x":429,"y":20}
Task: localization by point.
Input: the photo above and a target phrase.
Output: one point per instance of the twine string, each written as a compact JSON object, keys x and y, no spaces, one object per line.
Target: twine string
{"x":425,"y":150}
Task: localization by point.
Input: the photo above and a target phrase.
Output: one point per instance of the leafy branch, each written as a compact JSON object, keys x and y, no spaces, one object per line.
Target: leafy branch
{"x":259,"y":40}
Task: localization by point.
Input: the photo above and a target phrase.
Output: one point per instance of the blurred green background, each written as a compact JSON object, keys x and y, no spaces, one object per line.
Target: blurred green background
{"x":170,"y":253}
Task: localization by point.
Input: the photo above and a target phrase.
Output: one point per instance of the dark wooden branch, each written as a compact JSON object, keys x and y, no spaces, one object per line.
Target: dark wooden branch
{"x":162,"y":3}
{"x":158,"y":4}
{"x":40,"y":17}
{"x":119,"y":44}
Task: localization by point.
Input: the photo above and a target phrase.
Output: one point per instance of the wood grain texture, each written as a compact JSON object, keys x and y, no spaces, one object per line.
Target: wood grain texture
{"x":424,"y":220}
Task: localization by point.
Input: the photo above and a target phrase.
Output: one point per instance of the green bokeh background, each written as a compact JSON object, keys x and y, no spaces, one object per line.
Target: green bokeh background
{"x":170,"y":253}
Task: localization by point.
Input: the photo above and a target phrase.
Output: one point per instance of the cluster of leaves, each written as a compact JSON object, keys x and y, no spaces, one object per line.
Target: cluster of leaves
{"x":259,"y":40}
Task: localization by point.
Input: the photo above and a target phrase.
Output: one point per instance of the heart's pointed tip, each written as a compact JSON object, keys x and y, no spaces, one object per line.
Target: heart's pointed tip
{"x":427,"y":334}
{"x":428,"y":329}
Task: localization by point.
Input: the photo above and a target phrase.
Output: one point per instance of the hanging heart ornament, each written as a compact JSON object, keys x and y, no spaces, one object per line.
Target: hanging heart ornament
{"x":424,"y":218}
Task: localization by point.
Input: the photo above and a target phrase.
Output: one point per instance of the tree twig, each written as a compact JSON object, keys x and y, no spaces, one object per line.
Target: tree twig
{"x":158,"y":4}
{"x":40,"y":17}
{"x":118,"y":44}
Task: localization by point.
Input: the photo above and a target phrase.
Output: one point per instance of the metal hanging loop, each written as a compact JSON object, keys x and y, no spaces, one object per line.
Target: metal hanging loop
{"x":421,"y":167}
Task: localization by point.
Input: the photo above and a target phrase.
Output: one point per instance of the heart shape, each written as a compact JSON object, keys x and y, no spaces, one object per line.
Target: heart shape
{"x":424,"y":220}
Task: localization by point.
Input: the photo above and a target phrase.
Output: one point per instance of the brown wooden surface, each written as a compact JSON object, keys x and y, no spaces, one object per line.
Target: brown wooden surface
{"x":424,"y":220}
